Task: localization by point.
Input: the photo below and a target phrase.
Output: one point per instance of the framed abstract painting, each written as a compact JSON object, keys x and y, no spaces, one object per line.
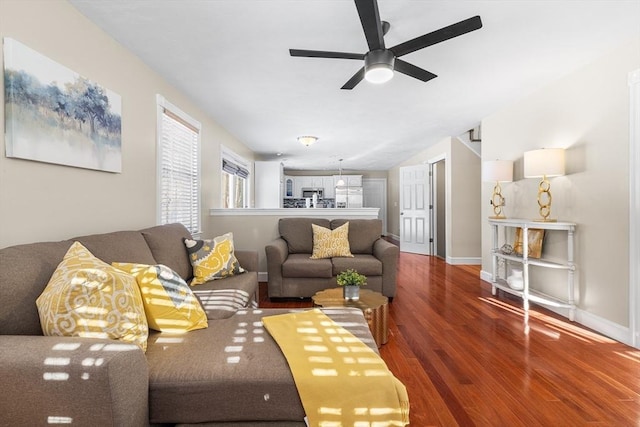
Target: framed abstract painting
{"x":54,"y":115}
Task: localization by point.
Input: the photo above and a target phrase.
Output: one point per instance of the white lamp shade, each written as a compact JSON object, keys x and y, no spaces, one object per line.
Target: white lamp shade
{"x":497,"y":171}
{"x":544,"y":162}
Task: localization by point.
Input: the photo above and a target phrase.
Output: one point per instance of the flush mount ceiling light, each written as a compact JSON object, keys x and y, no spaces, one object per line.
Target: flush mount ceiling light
{"x":307,"y":140}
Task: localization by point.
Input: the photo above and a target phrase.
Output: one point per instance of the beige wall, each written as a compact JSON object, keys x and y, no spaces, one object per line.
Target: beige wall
{"x":464,"y":214}
{"x":587,"y":113}
{"x":463,"y":237}
{"x":40,"y":201}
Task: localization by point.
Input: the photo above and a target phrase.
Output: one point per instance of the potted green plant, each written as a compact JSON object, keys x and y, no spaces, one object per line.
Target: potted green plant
{"x":351,"y":280}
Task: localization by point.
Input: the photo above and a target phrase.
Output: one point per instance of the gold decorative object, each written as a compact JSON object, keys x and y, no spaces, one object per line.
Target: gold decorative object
{"x":535,"y":237}
{"x":497,"y":171}
{"x":544,"y":200}
{"x":544,"y":163}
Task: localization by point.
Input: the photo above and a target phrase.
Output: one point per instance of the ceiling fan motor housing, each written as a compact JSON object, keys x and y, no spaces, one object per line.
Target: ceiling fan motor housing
{"x":378,"y":65}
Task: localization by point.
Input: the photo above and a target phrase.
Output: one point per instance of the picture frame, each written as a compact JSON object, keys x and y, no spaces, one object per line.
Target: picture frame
{"x":535,"y":236}
{"x":55,"y":115}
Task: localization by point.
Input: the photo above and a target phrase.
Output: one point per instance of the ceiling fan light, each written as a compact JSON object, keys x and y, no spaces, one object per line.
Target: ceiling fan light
{"x":379,"y":74}
{"x":378,"y":66}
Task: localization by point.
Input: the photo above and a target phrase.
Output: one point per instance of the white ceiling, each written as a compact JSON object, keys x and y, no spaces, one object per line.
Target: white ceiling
{"x":232,"y":58}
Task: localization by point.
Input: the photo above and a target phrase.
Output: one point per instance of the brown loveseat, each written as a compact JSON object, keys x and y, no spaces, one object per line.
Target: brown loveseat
{"x":293,"y":274}
{"x":229,"y":374}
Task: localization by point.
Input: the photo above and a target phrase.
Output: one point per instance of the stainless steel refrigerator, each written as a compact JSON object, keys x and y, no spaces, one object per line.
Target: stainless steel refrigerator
{"x":348,"y":197}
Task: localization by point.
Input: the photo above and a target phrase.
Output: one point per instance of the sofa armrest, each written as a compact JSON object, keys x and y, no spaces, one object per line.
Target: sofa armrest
{"x":388,"y":253}
{"x":248,"y":259}
{"x":64,"y":380}
{"x":277,"y":253}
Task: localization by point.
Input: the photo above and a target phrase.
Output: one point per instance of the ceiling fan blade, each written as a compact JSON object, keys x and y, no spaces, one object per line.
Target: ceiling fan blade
{"x":353,"y":81}
{"x":371,"y":24}
{"x":438,"y":36}
{"x":413,"y":71}
{"x":325,"y":54}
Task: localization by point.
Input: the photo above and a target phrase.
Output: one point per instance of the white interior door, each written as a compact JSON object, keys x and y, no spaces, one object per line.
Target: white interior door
{"x":414,"y":209}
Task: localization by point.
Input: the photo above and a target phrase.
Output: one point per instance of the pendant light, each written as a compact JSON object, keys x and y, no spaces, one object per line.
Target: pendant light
{"x":340,"y":182}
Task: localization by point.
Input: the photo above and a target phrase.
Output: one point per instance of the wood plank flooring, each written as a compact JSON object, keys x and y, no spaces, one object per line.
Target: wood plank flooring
{"x":471,"y":359}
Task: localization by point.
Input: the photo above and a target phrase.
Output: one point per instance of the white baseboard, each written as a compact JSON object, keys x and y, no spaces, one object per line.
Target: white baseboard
{"x":601,"y":325}
{"x":464,"y":261}
{"x":486,"y":276}
{"x":263,"y":276}
{"x":605,"y":327}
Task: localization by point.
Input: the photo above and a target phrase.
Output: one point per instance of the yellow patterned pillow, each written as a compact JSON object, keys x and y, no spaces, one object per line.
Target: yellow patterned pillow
{"x":212,"y":259}
{"x":87,"y":297}
{"x":169,"y":303}
{"x":329,"y":243}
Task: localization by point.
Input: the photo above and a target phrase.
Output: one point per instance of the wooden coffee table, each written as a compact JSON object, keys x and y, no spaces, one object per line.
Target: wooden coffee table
{"x":373,"y":304}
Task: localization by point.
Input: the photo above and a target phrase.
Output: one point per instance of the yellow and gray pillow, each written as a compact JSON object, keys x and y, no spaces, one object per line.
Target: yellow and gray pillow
{"x":87,"y":297}
{"x":169,"y":303}
{"x":212,"y":259}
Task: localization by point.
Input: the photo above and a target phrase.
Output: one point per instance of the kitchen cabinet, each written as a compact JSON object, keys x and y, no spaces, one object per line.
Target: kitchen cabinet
{"x":526,"y":261}
{"x":349,"y":180}
{"x":329,"y":187}
{"x":309,"y":181}
{"x":353,"y":180}
{"x":288,"y":189}
{"x":268,"y":184}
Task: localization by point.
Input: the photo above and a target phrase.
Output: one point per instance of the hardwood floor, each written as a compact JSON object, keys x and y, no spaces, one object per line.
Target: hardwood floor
{"x":468,"y":358}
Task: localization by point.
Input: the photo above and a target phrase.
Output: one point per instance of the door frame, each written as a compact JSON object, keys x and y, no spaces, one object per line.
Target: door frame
{"x":634,"y":208}
{"x":433,"y":217}
{"x":433,"y":193}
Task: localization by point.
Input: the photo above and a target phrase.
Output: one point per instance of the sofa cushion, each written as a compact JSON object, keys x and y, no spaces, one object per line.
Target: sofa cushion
{"x":329,"y":243}
{"x":362,"y":263}
{"x":169,"y":303}
{"x":88,"y":298}
{"x":213,"y":374}
{"x":119,"y":246}
{"x":298,"y":234}
{"x":166,"y":243}
{"x":362,"y":233}
{"x":24,"y":273}
{"x":222,"y":298}
{"x":299,"y":265}
{"x":212,"y":259}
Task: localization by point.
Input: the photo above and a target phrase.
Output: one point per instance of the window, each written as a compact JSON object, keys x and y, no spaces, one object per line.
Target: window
{"x":178,"y":167}
{"x":235,"y":171}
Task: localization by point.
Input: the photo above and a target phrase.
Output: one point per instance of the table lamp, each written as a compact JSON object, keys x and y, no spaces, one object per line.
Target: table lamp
{"x":546,"y":162}
{"x":497,"y":171}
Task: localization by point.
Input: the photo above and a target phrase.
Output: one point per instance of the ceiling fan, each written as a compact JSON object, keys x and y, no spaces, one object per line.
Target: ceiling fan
{"x":380,"y":62}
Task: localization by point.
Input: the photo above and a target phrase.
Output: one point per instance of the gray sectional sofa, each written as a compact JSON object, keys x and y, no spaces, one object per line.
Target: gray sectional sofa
{"x":293,"y":274}
{"x":229,"y":374}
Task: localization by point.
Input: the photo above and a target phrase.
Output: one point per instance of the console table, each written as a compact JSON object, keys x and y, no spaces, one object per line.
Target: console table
{"x":527,"y":294}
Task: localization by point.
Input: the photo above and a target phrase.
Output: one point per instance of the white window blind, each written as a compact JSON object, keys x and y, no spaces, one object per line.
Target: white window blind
{"x":178,"y":169}
{"x":235,"y":174}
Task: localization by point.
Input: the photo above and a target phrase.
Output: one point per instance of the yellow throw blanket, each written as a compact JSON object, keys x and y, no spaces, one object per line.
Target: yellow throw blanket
{"x":341,"y":381}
